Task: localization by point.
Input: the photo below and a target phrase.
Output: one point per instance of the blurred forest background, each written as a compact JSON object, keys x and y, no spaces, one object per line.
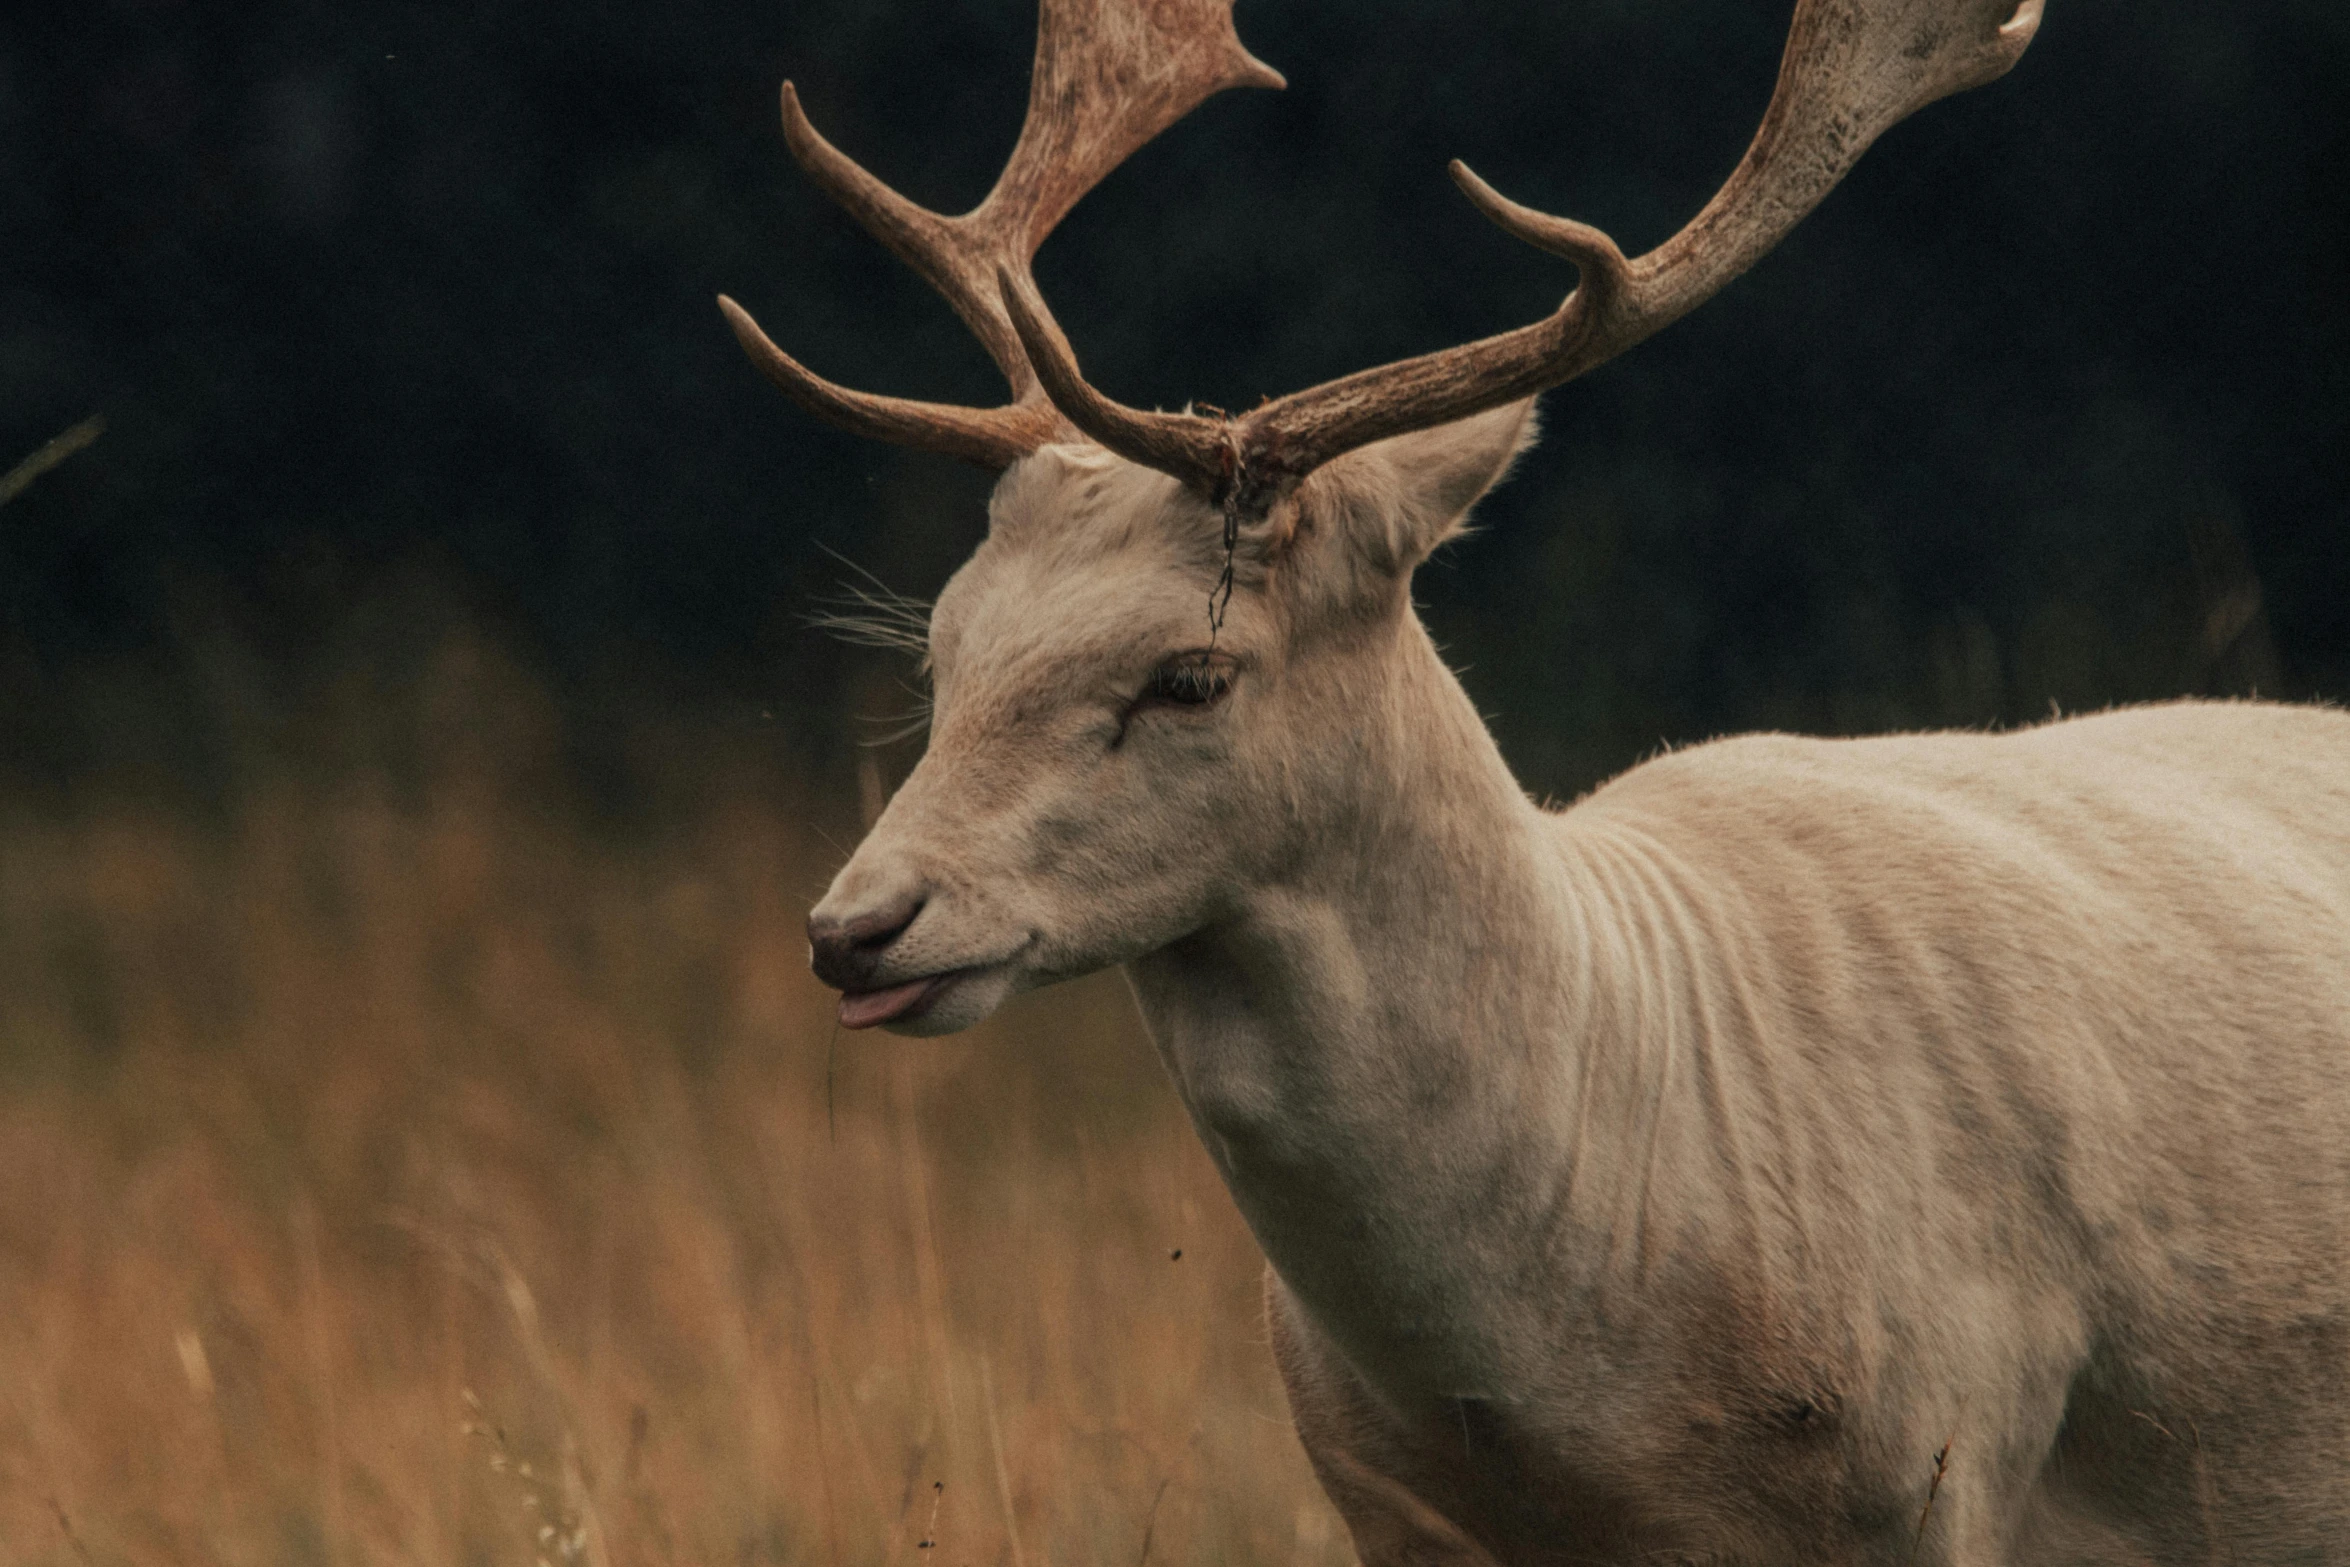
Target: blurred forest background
{"x":396,"y":305}
{"x":419,"y":1139}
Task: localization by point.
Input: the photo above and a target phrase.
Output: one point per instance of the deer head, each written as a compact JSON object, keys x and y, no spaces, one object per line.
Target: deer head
{"x":1154,"y":679}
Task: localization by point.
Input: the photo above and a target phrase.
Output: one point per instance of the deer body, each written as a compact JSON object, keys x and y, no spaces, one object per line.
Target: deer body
{"x":1675,"y":1176}
{"x":1928,"y":1149}
{"x":1702,"y":1168}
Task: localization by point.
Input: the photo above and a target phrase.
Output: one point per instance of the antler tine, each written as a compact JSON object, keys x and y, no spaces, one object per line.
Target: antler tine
{"x":1109,"y":76}
{"x":991,"y":437}
{"x":1197,"y":450}
{"x":1852,"y":69}
{"x":938,"y":248}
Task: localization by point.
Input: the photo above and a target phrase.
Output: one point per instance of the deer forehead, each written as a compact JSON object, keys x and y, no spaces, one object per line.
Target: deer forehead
{"x":1012,"y":618}
{"x":1075,"y":502}
{"x":1091,"y":564}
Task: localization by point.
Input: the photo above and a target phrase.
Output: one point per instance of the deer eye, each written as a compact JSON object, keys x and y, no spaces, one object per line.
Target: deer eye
{"x":1190,"y":681}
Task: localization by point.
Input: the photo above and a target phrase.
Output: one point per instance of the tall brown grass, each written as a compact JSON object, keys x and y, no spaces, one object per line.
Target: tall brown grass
{"x":421,"y":1172}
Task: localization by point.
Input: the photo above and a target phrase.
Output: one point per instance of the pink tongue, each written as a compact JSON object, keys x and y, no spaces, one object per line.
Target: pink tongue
{"x":867,"y":1008}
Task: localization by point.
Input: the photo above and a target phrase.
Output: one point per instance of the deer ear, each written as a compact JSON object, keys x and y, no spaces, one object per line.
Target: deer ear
{"x":1395,"y":500}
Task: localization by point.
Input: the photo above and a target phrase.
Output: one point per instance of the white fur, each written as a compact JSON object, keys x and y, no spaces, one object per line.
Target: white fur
{"x":1673,"y":1177}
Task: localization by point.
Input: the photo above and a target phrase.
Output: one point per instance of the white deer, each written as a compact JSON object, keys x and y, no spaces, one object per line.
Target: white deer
{"x":1925,"y":1149}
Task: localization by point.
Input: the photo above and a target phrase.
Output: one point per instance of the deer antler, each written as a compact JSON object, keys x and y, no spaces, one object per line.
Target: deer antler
{"x":1852,"y":69}
{"x":1109,"y":76}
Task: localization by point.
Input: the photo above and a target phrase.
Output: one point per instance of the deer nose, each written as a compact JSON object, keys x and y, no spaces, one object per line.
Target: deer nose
{"x":846,"y":951}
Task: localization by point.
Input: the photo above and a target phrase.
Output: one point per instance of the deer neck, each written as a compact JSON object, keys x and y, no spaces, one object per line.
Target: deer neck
{"x":1383,"y":1048}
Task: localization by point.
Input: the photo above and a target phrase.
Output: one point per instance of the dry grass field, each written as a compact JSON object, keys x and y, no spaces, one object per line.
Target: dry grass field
{"x":418,"y":1172}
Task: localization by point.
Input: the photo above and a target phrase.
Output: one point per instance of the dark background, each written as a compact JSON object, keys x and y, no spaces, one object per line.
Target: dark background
{"x":401,"y":318}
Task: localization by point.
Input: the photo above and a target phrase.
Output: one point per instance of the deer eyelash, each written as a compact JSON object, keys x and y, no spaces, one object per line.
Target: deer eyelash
{"x":1186,"y":682}
{"x":1192,"y":680}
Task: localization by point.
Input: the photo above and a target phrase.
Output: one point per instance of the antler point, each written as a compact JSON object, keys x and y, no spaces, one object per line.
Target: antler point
{"x":1256,"y":73}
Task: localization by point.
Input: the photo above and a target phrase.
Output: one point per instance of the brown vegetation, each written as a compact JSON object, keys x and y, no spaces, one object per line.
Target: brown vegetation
{"x":399,"y":1173}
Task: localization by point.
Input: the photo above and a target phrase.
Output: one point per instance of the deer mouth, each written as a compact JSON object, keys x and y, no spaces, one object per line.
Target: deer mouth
{"x":872,"y":1008}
